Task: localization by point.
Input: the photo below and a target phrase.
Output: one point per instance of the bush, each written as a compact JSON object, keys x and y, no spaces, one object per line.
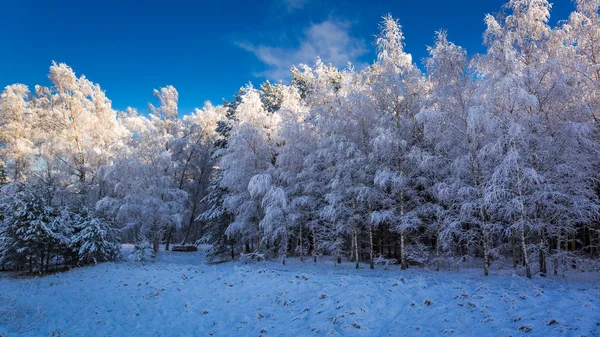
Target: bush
{"x":142,"y":251}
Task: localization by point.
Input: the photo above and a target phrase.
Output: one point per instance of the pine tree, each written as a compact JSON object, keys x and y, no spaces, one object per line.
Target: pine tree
{"x":30,"y":234}
{"x":94,"y":239}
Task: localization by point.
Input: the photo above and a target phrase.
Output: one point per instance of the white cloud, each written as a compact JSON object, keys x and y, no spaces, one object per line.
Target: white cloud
{"x":329,"y":40}
{"x":292,"y":5}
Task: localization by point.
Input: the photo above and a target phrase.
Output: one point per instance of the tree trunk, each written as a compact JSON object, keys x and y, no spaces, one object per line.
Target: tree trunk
{"x":542,"y":255}
{"x":522,"y":227}
{"x":189,"y":228}
{"x":41,"y":266}
{"x":597,"y":245}
{"x":437,"y":248}
{"x":403,"y":262}
{"x":557,"y":254}
{"x":352,"y":247}
{"x":314,"y":237}
{"x":168,"y":238}
{"x":524,"y":249}
{"x":515,"y":252}
{"x":478,"y":182}
{"x":356,"y":247}
{"x":47,"y":260}
{"x":486,"y":253}
{"x":380,"y":240}
{"x":573,"y":243}
{"x":586,"y":240}
{"x":300,"y":245}
{"x":371,"y":261}
{"x":389,"y":244}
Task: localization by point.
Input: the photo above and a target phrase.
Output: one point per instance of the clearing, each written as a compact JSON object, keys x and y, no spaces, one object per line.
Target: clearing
{"x":179,"y":294}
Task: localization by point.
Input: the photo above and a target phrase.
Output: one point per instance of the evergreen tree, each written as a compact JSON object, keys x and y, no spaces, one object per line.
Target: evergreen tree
{"x":94,"y":239}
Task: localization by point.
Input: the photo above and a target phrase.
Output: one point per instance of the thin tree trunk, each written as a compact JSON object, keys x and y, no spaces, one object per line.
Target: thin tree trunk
{"x":284,"y":254}
{"x":389,"y":244}
{"x":352,"y":247}
{"x":486,"y":254}
{"x":586,"y":239}
{"x":300,"y":245}
{"x":437,"y":248}
{"x":47,"y":259}
{"x":168,"y":238}
{"x":356,"y":247}
{"x":572,"y":242}
{"x":524,"y":249}
{"x":522,"y":227}
{"x":557,"y":254}
{"x":286,"y":241}
{"x":41,"y":266}
{"x":478,"y":181}
{"x":542,"y":254}
{"x":380,"y":240}
{"x":189,"y":227}
{"x":514,"y":251}
{"x":403,"y":263}
{"x":371,"y":261}
{"x":597,"y":245}
{"x":314,"y":237}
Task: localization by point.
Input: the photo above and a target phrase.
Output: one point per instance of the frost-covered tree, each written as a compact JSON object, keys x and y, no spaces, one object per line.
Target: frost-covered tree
{"x":17,"y":123}
{"x":94,"y":239}
{"x":400,"y":92}
{"x":216,"y":218}
{"x":193,"y":153}
{"x":167,"y":112}
{"x":29,"y":230}
{"x":250,"y":151}
{"x":36,"y":232}
{"x":143,"y":199}
{"x":460,"y":132}
{"x":139,"y":190}
{"x":534,"y":99}
{"x":77,"y":128}
{"x":295,"y":143}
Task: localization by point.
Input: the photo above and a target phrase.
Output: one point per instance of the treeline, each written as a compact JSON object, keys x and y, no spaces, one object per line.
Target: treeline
{"x":494,"y":156}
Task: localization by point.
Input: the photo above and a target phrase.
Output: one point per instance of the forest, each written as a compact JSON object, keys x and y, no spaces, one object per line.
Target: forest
{"x":492,"y":158}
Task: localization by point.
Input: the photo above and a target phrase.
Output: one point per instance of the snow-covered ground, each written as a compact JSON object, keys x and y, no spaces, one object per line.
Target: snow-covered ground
{"x":181,"y":295}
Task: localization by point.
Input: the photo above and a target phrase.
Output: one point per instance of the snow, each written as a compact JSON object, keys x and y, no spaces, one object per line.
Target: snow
{"x":179,"y":294}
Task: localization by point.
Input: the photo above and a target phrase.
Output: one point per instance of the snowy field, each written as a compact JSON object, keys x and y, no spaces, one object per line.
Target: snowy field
{"x":181,"y":295}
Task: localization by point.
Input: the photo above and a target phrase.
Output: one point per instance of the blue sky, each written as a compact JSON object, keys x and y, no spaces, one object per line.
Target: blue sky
{"x":208,"y":49}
